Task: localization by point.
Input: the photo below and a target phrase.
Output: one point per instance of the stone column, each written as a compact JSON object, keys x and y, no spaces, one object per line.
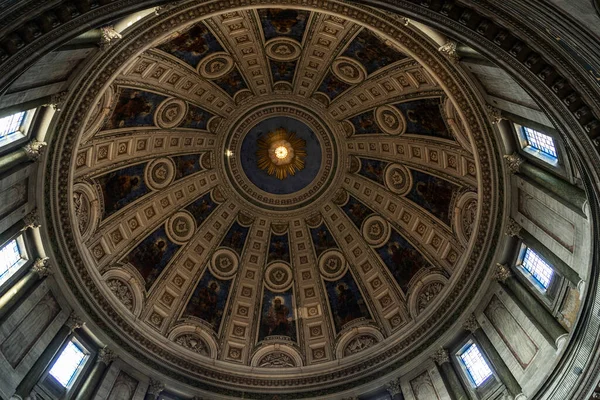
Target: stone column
{"x":104,"y":358}
{"x":571,"y":194}
{"x":39,"y":270}
{"x":498,"y":363}
{"x":514,"y":229}
{"x":30,"y":152}
{"x":43,"y":362}
{"x":393,"y":388}
{"x":449,"y":376}
{"x":530,"y":305}
{"x":154,"y":389}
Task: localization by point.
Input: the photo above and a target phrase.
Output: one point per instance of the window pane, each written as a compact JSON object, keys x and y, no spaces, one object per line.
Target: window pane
{"x":10,"y":260}
{"x":539,"y":141}
{"x":476,"y":366}
{"x":11,"y":124}
{"x":538,"y":268}
{"x":67,"y":366}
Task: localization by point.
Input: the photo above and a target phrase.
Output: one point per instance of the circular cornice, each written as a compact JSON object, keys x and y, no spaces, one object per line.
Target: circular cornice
{"x":64,"y":146}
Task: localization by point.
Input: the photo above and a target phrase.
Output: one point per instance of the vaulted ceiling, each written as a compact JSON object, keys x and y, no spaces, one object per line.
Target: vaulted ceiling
{"x":209,"y":246}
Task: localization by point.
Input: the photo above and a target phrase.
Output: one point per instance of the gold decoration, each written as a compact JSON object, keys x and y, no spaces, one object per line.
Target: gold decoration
{"x":281,"y":153}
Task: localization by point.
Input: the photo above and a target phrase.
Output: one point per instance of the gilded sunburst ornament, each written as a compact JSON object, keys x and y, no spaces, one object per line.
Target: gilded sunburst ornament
{"x":281,"y":153}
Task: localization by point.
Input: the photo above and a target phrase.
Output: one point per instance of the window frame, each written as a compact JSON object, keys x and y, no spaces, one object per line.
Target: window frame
{"x":24,"y":131}
{"x":489,"y":388}
{"x":23,"y":244}
{"x":51,"y":387}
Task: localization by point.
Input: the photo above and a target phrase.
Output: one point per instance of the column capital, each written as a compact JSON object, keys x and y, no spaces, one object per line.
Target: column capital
{"x":494,"y":114}
{"x":32,"y":220}
{"x":513,"y":228}
{"x":502,"y":272}
{"x":449,"y":50}
{"x":108,"y":36}
{"x":74,"y":322}
{"x":41,"y":267}
{"x":34,"y":149}
{"x":393,"y":387}
{"x":155,"y":387}
{"x":106,"y":356}
{"x":441,"y":356}
{"x":513,"y":162}
{"x":471,"y":323}
{"x":57,"y":100}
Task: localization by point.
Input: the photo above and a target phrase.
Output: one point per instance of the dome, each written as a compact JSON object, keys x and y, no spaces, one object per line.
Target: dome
{"x":262,"y":195}
{"x":291,"y":199}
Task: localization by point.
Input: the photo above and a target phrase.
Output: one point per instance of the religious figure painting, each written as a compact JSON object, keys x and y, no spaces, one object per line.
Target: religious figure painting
{"x":424,"y":117}
{"x":346,"y":301}
{"x":356,"y":210}
{"x":279,"y":248}
{"x":193,"y":45}
{"x":236,"y":237}
{"x":365,"y":123}
{"x":152,"y":255}
{"x":283,"y":22}
{"x":322,"y":239}
{"x":196,"y":118}
{"x":373,"y":170}
{"x":209,"y":300}
{"x":283,"y":70}
{"x":332,"y":86}
{"x":277,"y":315}
{"x":134,"y":108}
{"x":402,"y":259}
{"x":121,"y":187}
{"x":201,"y":208}
{"x":186,"y":165}
{"x":232,"y":82}
{"x":372,"y":52}
{"x":434,"y":194}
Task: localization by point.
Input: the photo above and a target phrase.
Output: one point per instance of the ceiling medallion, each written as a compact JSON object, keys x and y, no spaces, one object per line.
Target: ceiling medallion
{"x":281,"y":153}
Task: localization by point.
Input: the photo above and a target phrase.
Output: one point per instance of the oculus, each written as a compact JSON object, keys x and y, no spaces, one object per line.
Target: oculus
{"x":281,"y":153}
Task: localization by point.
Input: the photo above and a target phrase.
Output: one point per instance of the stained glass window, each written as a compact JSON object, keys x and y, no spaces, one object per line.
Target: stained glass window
{"x":476,"y":366}
{"x":539,"y":269}
{"x":11,"y":124}
{"x":68,"y":364}
{"x":11,"y":259}
{"x":539,"y":141}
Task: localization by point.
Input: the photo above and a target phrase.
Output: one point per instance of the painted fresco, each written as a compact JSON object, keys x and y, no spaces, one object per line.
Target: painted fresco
{"x":201,"y":208}
{"x":322,"y":239}
{"x":346,"y":301}
{"x":402,"y":259}
{"x":196,"y":118}
{"x":232,"y":82}
{"x":424,"y":117}
{"x":192,"y":45}
{"x":283,"y":70}
{"x":134,"y":108}
{"x":121,"y":187}
{"x":332,"y":86}
{"x":279,"y":248}
{"x":186,"y":165}
{"x":357,"y":211}
{"x":283,"y":22}
{"x":433,"y":194}
{"x":236,"y":237}
{"x":365,"y":123}
{"x":152,"y":255}
{"x":277,"y":315}
{"x":209,"y":300}
{"x":372,"y":52}
{"x":373,"y":170}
